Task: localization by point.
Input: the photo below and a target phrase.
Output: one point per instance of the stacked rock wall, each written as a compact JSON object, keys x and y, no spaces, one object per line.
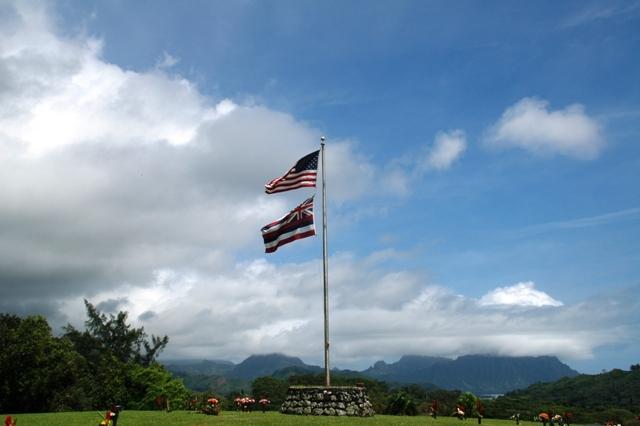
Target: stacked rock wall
{"x":331,"y":401}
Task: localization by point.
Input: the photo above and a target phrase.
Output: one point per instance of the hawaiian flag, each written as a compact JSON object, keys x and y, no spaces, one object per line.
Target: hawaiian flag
{"x":302,"y":174}
{"x":295,"y":225}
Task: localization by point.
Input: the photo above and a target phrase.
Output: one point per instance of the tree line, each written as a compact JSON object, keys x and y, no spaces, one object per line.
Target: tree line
{"x":111,"y":362}
{"x":608,"y":397}
{"x":611,"y":396}
{"x":108,"y":363}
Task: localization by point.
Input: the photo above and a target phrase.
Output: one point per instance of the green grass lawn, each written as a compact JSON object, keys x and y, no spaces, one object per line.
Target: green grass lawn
{"x":184,"y":418}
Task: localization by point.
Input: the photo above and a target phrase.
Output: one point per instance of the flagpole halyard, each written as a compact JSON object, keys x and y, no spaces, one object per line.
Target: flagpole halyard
{"x":325,"y":268}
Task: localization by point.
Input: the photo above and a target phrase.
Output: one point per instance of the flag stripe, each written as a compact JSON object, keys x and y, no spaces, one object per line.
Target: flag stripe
{"x":293,"y":179}
{"x":295,"y":225}
{"x":283,"y":188}
{"x":287,"y":238}
{"x":302,"y":174}
{"x":273,"y":233}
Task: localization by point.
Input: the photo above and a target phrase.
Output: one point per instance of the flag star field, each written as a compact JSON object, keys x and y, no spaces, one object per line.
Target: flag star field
{"x":482,"y":175}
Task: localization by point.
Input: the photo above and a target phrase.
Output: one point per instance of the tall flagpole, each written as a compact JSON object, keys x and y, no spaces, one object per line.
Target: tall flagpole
{"x":325,"y":267}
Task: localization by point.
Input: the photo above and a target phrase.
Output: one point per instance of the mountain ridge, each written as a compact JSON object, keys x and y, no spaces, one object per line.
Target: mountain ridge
{"x":480,"y":374}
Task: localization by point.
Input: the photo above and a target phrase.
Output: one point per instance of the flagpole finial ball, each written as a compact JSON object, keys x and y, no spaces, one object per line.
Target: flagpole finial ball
{"x":322,"y":138}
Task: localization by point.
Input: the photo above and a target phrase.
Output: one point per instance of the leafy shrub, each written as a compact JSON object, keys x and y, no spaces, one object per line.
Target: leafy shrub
{"x":401,"y":404}
{"x":616,"y":415}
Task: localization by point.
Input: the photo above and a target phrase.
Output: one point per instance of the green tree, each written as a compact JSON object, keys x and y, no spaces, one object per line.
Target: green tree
{"x":616,"y":415}
{"x":401,"y":404}
{"x":468,"y":401}
{"x":113,"y":335}
{"x":113,"y":350}
{"x":271,"y":388}
{"x":108,"y":363}
{"x":416,"y":392}
{"x":38,"y":372}
{"x":446,"y":400}
{"x":148,"y":384}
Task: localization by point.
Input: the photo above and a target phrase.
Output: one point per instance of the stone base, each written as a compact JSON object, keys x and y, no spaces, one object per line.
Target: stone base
{"x":331,"y":401}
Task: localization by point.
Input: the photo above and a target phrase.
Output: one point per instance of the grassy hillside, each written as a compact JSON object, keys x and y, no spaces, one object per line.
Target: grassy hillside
{"x":617,"y":388}
{"x":609,"y":396}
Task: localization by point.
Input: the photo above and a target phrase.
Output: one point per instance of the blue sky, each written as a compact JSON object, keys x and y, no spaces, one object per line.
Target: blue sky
{"x":482,"y":163}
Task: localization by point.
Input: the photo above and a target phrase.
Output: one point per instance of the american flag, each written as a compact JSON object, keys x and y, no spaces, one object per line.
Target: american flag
{"x":302,"y":174}
{"x":295,"y":225}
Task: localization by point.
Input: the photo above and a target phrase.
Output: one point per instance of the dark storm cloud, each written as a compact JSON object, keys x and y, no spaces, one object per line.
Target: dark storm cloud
{"x":51,"y":310}
{"x":112,"y":306}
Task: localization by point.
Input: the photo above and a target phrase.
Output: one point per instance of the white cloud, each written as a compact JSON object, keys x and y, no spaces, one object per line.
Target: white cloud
{"x":349,"y":174}
{"x":521,"y":294}
{"x":134,"y":190}
{"x":98,"y":102}
{"x":531,"y":126}
{"x":447,"y":148}
{"x":582,"y":222}
{"x":375,"y":313}
{"x":401,"y":173}
{"x":601,"y":12}
{"x":396,"y":180}
{"x":167,"y":61}
{"x":115,"y":174}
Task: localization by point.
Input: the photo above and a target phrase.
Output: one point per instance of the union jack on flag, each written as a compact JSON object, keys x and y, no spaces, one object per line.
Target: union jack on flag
{"x":295,"y":225}
{"x":302,"y":174}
